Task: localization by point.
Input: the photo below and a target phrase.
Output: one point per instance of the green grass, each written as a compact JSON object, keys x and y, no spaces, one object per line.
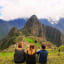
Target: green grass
{"x":53,"y":58}
{"x":6,"y":54}
{"x":32,"y":41}
{"x":62,"y":47}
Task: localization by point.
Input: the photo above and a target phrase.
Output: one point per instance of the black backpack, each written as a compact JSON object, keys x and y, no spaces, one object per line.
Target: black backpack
{"x":19,"y":56}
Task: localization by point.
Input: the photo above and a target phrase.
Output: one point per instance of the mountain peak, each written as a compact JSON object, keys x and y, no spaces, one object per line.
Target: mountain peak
{"x":34,"y":16}
{"x":34,"y":27}
{"x":33,"y":19}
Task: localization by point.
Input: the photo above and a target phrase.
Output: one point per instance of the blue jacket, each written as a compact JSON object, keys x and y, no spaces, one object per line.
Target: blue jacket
{"x":43,"y":56}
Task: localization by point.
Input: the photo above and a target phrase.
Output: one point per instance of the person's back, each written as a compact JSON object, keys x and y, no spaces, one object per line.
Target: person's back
{"x":19,"y":55}
{"x":43,"y":55}
{"x":30,"y":56}
{"x":31,"y":59}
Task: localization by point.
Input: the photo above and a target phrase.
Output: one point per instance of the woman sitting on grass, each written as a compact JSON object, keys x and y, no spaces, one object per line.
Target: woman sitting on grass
{"x":19,"y":56}
{"x":31,"y":57}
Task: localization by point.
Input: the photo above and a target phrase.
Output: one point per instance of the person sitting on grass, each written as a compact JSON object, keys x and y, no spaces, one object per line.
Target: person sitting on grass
{"x":43,"y":55}
{"x":19,"y":56}
{"x":30,"y":55}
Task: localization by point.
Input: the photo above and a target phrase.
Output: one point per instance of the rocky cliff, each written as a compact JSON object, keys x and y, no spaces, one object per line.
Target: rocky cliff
{"x":53,"y":35}
{"x":34,"y":27}
{"x":10,"y":39}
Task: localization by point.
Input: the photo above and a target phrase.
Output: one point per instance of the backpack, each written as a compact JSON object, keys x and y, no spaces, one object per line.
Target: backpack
{"x":19,"y":56}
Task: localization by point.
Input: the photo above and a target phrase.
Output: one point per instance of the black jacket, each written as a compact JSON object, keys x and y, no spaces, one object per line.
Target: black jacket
{"x":19,"y":56}
{"x":30,"y":59}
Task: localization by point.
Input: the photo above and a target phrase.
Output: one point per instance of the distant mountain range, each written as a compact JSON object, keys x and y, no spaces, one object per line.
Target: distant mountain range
{"x":5,"y":26}
{"x":59,"y":25}
{"x":32,"y":28}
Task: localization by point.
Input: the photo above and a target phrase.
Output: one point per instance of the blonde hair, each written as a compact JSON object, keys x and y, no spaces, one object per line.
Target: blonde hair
{"x":31,"y":49}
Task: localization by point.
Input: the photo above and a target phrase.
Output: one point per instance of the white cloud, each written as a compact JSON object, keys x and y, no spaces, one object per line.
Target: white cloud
{"x":25,"y":8}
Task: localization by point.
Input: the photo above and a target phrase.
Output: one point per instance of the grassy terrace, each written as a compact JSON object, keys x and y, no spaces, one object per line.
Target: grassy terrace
{"x":31,"y":40}
{"x":53,"y":58}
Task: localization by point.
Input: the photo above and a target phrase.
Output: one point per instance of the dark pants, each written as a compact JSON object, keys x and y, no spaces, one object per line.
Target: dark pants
{"x":43,"y":63}
{"x":31,"y":62}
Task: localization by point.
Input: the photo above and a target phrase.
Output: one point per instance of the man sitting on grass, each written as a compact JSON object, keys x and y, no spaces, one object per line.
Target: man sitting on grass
{"x":43,"y":55}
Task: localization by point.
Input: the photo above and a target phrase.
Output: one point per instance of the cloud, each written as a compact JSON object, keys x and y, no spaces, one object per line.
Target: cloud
{"x":0,"y":11}
{"x":0,"y":14}
{"x":25,"y":8}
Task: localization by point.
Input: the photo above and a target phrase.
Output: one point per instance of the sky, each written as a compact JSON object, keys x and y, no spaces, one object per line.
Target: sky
{"x":12,"y":9}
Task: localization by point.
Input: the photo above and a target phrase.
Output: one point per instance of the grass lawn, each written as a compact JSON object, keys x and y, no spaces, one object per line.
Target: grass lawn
{"x":53,"y":58}
{"x":32,"y":41}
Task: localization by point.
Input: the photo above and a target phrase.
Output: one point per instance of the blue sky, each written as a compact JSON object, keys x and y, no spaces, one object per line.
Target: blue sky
{"x":1,"y":7}
{"x":25,"y":8}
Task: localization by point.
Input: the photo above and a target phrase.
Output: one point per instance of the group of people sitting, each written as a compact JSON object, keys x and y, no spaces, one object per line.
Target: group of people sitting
{"x":29,"y":55}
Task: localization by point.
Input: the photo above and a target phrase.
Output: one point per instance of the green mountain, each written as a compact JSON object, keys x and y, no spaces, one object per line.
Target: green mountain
{"x":5,"y":26}
{"x":4,"y":29}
